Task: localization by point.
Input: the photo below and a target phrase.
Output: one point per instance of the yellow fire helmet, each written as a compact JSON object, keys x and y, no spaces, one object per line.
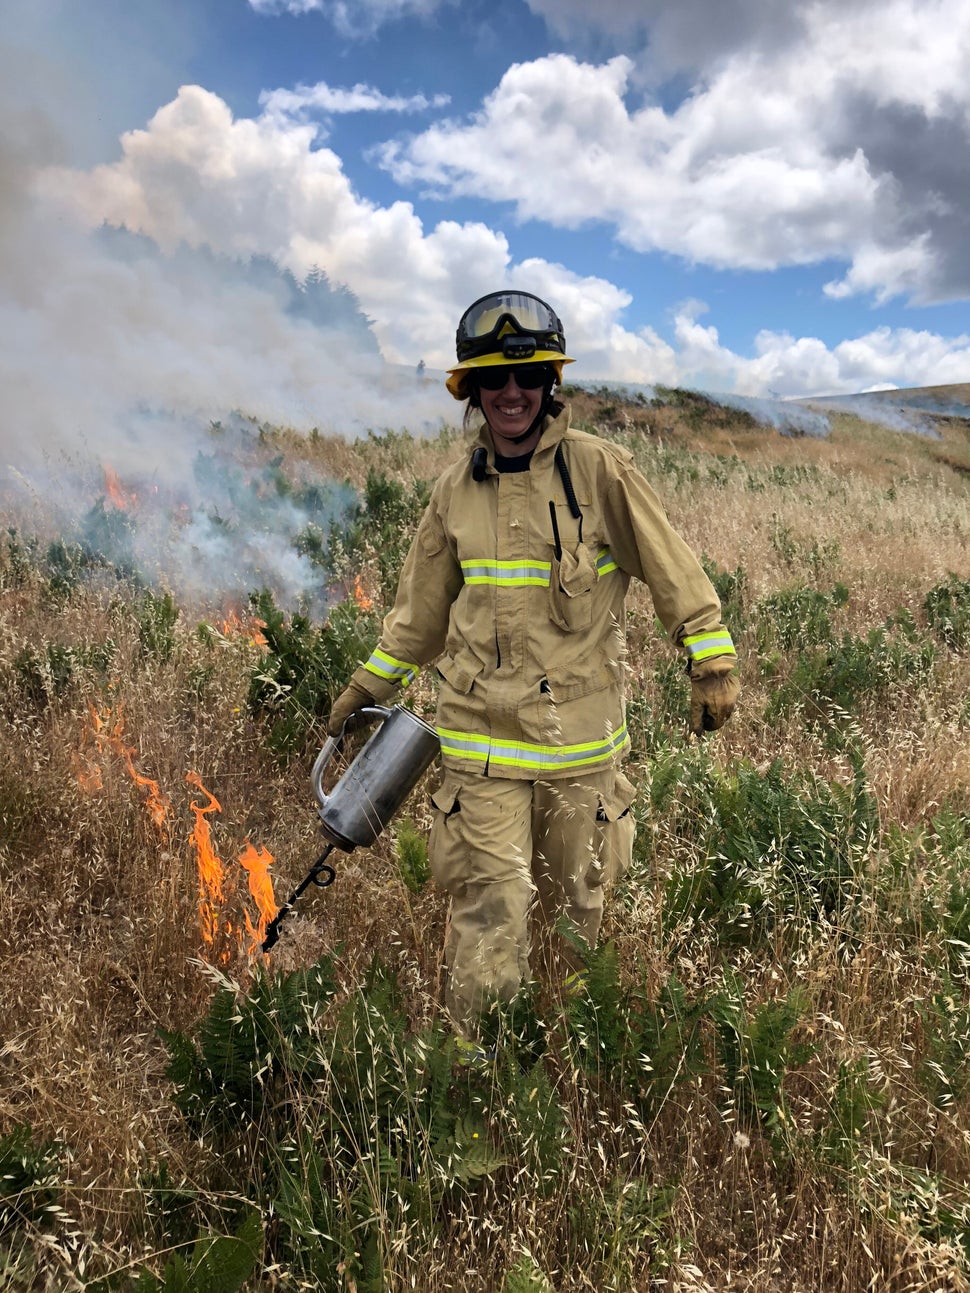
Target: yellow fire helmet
{"x":506,"y":328}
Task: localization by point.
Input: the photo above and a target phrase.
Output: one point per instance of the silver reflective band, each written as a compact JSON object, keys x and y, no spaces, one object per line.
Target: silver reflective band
{"x":516,"y":574}
{"x":704,"y":646}
{"x":385,"y":666}
{"x":533,"y":758}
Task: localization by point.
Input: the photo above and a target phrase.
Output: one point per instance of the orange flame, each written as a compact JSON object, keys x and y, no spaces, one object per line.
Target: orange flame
{"x":234,"y":625}
{"x":157,"y":805}
{"x":116,"y":492}
{"x":89,"y":774}
{"x":212,"y":873}
{"x":360,"y":597}
{"x":257,"y":863}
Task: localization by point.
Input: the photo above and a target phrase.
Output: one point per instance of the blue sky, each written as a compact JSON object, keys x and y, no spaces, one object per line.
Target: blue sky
{"x":730,"y":194}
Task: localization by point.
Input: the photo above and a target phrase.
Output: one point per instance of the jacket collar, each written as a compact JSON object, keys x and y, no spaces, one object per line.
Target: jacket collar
{"x":553,"y":430}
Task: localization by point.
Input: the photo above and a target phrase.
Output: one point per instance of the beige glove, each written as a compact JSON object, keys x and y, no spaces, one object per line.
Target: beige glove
{"x":354,"y":696}
{"x":714,"y":691}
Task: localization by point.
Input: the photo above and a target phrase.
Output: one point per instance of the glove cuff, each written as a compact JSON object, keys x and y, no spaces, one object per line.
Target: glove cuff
{"x":714,"y":667}
{"x":382,"y":691}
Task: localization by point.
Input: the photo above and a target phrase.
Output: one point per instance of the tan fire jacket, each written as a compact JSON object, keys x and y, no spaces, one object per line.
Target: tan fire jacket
{"x":523,"y":601}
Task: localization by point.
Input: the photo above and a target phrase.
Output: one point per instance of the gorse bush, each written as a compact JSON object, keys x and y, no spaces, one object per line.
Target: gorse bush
{"x":384,"y":525}
{"x":853,"y":674}
{"x":765,"y":845}
{"x":947,"y":607}
{"x":305,"y":668}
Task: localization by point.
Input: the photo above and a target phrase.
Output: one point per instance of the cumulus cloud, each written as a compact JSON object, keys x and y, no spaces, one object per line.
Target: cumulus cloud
{"x":835,"y":132}
{"x":698,"y":182}
{"x":784,"y":365}
{"x":352,"y":17}
{"x":262,"y":186}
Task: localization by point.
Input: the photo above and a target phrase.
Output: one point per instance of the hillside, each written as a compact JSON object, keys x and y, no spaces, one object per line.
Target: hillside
{"x":764,"y":1086}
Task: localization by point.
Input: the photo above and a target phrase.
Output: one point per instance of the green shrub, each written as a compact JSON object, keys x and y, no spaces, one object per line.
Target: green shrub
{"x":157,"y":617}
{"x":627,"y":1230}
{"x":216,"y":1264}
{"x":51,"y":671}
{"x":947,"y":607}
{"x":30,"y":1179}
{"x":384,"y":525}
{"x":644,"y":1045}
{"x":943,"y":1068}
{"x":797,"y":617}
{"x":852,"y":674}
{"x":412,"y":856}
{"x":385,"y":1130}
{"x":756,"y":1050}
{"x":19,"y":561}
{"x":731,"y":587}
{"x":295,"y":684}
{"x":762,"y":846}
{"x":848,"y":1114}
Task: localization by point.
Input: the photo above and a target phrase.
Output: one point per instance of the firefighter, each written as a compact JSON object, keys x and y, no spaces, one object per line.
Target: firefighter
{"x":514,"y":587}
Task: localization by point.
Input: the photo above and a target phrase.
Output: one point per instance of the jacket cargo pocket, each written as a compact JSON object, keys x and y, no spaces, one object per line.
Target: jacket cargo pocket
{"x":615,"y":828}
{"x":571,"y":581}
{"x":459,"y":673}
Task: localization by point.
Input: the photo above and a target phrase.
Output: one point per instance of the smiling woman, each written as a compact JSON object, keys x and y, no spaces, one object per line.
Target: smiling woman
{"x":515,"y":585}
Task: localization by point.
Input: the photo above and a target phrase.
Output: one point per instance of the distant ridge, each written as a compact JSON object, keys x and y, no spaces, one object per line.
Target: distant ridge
{"x":941,"y":401}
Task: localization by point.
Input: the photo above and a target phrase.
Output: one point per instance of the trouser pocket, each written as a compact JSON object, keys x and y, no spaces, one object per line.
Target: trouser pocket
{"x":615,"y":828}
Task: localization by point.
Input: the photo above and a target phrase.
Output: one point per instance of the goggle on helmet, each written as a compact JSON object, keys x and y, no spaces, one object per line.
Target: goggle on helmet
{"x":506,"y":328}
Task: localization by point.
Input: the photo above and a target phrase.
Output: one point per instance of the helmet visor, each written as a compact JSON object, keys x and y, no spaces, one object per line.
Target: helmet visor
{"x":507,"y":313}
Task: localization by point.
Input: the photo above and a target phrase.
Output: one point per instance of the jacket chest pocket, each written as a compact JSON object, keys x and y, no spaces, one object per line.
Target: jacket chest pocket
{"x":571,"y":581}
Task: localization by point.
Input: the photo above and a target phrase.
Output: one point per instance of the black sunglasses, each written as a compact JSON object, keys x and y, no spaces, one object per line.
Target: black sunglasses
{"x":528,"y":377}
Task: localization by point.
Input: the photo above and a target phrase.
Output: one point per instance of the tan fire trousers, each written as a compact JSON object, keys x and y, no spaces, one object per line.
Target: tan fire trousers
{"x":508,"y":850}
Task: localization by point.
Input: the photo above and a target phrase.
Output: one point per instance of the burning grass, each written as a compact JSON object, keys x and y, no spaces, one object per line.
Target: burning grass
{"x":765,"y":1085}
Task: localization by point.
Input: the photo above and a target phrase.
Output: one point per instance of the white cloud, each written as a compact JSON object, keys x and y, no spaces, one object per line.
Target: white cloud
{"x":833,"y":135}
{"x":353,"y":17}
{"x":706,"y":182}
{"x":260,"y":186}
{"x":329,"y":100}
{"x":785,"y":365}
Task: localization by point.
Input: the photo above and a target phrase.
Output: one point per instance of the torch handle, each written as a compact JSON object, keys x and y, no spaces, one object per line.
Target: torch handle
{"x":319,"y":868}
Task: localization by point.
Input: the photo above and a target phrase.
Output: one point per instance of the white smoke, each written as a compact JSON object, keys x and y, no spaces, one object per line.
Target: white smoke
{"x":116,"y":355}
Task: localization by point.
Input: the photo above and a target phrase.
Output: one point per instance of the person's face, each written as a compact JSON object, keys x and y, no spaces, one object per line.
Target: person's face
{"x":510,"y":411}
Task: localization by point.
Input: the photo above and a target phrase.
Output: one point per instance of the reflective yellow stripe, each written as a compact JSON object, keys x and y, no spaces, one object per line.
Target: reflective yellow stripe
{"x":516,"y":574}
{"x":702,"y":646}
{"x":605,"y":562}
{"x":507,"y":574}
{"x":385,"y":666}
{"x":523,"y":754}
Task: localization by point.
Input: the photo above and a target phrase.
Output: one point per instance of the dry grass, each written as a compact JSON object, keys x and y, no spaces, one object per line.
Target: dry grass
{"x":100,"y":905}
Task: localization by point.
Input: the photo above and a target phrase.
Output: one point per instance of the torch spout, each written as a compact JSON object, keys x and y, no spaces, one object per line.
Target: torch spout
{"x":320,"y":874}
